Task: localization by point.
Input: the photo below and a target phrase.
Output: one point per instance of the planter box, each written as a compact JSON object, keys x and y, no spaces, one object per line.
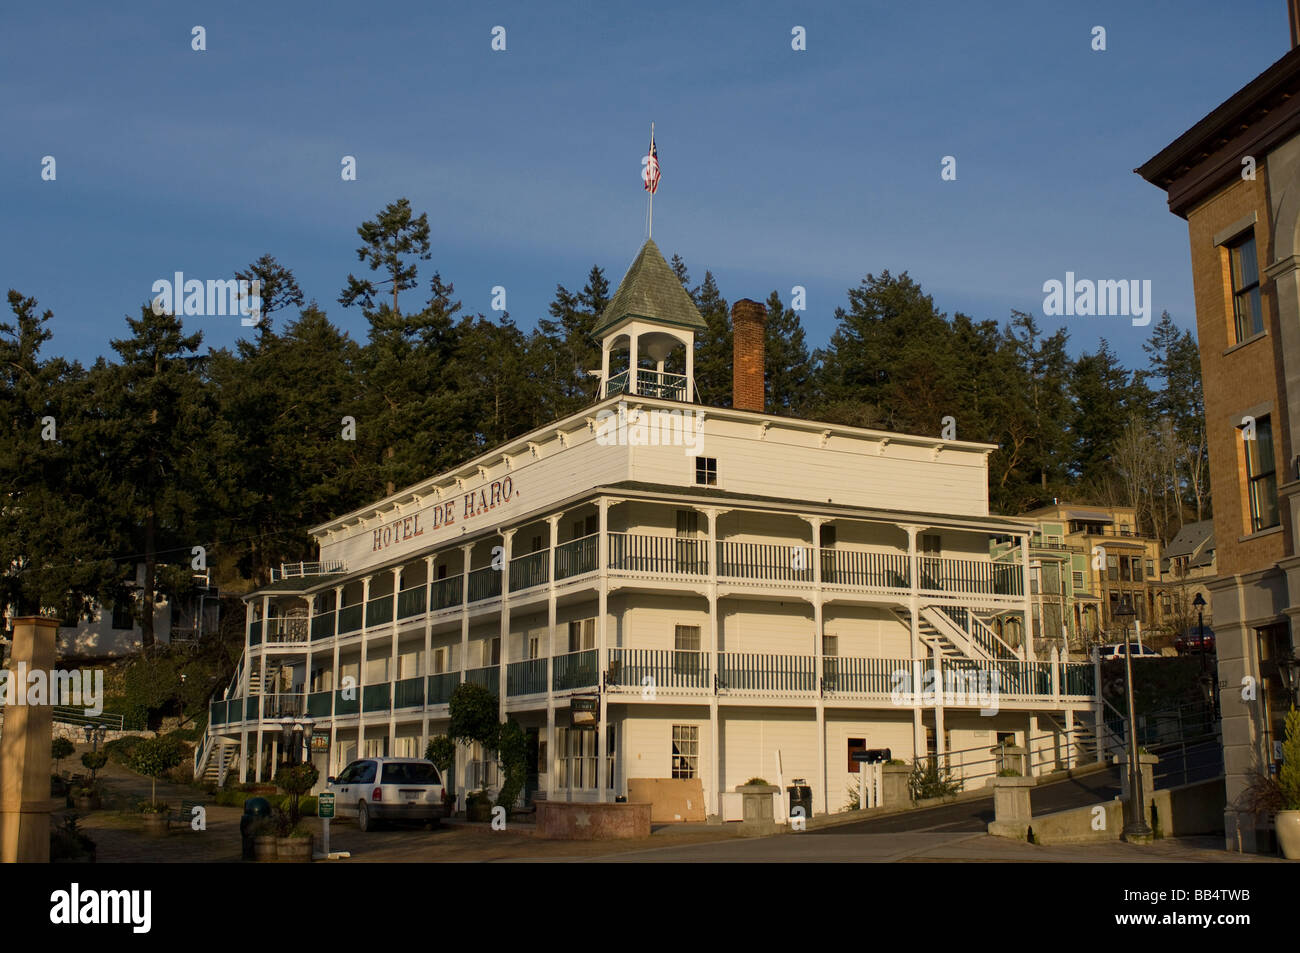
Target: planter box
{"x":265,"y":847}
{"x":569,"y":820}
{"x":295,"y":850}
{"x":1287,"y":825}
{"x":757,"y":804}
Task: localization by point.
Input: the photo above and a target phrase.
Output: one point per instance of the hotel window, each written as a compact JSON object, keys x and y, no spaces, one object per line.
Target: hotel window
{"x":1125,"y":572}
{"x":122,"y":616}
{"x":534,"y":646}
{"x":439,"y":661}
{"x":686,"y":649}
{"x":576,"y":760}
{"x":826,"y":538}
{"x":688,"y":523}
{"x":582,"y":635}
{"x":1078,"y":581}
{"x":1247,"y":308}
{"x":586,"y":527}
{"x":1151,"y":569}
{"x":1112,"y":568}
{"x":492,"y":651}
{"x":1137,"y":569}
{"x":706,"y":471}
{"x":686,"y":751}
{"x":1261,"y":476}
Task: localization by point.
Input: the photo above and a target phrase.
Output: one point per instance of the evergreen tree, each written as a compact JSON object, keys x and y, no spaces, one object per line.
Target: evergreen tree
{"x":788,"y":366}
{"x":713,"y":348}
{"x":389,"y":243}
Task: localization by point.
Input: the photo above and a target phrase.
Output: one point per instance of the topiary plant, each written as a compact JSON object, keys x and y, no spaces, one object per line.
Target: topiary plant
{"x":512,"y":749}
{"x":1288,"y":779}
{"x":93,"y":761}
{"x":61,"y":748}
{"x":296,"y":780}
{"x":154,"y":757}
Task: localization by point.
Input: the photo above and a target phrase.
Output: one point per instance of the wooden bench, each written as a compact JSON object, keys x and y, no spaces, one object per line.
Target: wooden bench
{"x":185,"y":816}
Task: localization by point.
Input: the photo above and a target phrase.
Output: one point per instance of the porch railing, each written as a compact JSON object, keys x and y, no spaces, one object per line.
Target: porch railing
{"x":576,"y":557}
{"x":765,"y":561}
{"x":283,"y":706}
{"x":448,"y":592}
{"x":488,"y":676}
{"x":322,"y":625}
{"x":282,"y":630}
{"x":441,"y":686}
{"x":350,"y":618}
{"x":744,"y":671}
{"x":410,"y":602}
{"x":866,"y":570}
{"x":575,"y":670}
{"x":527,"y":677}
{"x":379,"y":610}
{"x":664,"y":555}
{"x":866,"y":676}
{"x":377,"y":697}
{"x":531,"y":570}
{"x":409,"y":693}
{"x":978,"y":576}
{"x":484,"y":583}
{"x":652,"y":669}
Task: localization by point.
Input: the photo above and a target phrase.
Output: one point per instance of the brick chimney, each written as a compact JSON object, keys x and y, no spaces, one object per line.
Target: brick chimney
{"x":748,"y":322}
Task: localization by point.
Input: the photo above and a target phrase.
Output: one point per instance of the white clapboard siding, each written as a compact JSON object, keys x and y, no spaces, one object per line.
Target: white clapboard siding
{"x":781,"y":628}
{"x":750,"y":740}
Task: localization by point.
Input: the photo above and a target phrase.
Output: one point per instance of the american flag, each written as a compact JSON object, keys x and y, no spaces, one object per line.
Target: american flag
{"x":650,"y":170}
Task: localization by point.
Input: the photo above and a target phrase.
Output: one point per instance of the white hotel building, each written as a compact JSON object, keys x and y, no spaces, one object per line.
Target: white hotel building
{"x":763,"y":605}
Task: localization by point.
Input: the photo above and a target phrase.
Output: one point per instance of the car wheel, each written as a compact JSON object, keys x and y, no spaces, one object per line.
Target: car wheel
{"x":364,"y":823}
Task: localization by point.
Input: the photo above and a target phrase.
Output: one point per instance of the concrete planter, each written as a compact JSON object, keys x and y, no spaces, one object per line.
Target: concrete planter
{"x":265,"y":847}
{"x":757,"y":804}
{"x":478,"y":809}
{"x":569,"y":820}
{"x":295,"y":850}
{"x":1011,"y":808}
{"x":156,"y":825}
{"x":893,"y":784}
{"x":1287,"y":825}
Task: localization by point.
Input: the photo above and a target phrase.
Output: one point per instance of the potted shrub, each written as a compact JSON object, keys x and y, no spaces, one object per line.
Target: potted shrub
{"x":153,"y":758}
{"x":1288,"y":782}
{"x":156,"y":818}
{"x":86,"y":797}
{"x":296,"y":780}
{"x":265,"y":839}
{"x":478,"y":806}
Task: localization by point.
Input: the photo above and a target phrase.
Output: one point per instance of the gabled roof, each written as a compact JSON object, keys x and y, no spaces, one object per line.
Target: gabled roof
{"x":1194,"y":540}
{"x":650,"y":290}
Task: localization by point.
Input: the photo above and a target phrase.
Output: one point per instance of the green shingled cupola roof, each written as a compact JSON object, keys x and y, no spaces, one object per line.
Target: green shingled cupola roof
{"x":650,"y":290}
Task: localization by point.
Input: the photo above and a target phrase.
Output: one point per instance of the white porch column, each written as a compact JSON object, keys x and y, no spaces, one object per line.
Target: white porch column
{"x":690,"y":372}
{"x":554,"y":522}
{"x":632,"y":361}
{"x":819,"y":674}
{"x":602,"y":653}
{"x":332,"y":766}
{"x":507,"y":547}
{"x":914,"y":614}
{"x":426,"y":664}
{"x":604,"y":368}
{"x":1026,"y":600}
{"x":392,"y":668}
{"x":361,"y":669}
{"x":714,"y":795}
{"x":462,"y":753}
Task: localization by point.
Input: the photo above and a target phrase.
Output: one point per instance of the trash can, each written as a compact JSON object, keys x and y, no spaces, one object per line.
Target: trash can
{"x":800,"y":794}
{"x":255,"y":808}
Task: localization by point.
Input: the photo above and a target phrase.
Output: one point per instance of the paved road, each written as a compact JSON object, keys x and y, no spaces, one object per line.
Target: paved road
{"x":975,"y":815}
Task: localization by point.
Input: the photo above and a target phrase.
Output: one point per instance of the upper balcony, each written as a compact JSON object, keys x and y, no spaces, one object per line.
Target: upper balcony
{"x":649,"y":383}
{"x":671,"y":559}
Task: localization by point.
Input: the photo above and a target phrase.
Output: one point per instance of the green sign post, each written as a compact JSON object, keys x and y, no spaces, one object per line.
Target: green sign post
{"x":325,"y":811}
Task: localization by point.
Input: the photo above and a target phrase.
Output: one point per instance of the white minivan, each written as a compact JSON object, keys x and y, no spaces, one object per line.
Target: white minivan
{"x":387,"y":789}
{"x":1116,"y":651}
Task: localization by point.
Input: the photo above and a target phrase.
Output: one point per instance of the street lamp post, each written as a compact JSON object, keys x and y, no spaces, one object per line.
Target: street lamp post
{"x":1136,"y":828}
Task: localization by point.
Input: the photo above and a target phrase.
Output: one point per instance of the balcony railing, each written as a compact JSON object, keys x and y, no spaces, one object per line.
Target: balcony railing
{"x":350,"y":618}
{"x":531,"y":570}
{"x":866,"y":676}
{"x":864,"y":570}
{"x":489,"y":677}
{"x":576,"y":557}
{"x":743,"y":671}
{"x":322,"y":625}
{"x":765,"y":561}
{"x":281,"y":630}
{"x":318,"y":704}
{"x":527,"y":677}
{"x":379,"y":610}
{"x":650,"y":383}
{"x":376,"y":697}
{"x":575,"y":670}
{"x":448,"y":592}
{"x":661,"y":555}
{"x":652,"y":669}
{"x":441,"y":686}
{"x":347,"y":701}
{"x":1012,"y":678}
{"x":982,"y":577}
{"x":283,"y":706}
{"x":484,"y":583}
{"x":409,"y":693}
{"x":255,"y":632}
{"x":297,"y":570}
{"x":410,"y":602}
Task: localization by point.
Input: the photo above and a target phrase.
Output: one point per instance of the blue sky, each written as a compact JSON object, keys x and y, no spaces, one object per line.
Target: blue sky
{"x":780,"y":168}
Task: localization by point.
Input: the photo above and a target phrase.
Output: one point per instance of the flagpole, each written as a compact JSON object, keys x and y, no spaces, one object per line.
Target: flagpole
{"x":651,"y":233}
